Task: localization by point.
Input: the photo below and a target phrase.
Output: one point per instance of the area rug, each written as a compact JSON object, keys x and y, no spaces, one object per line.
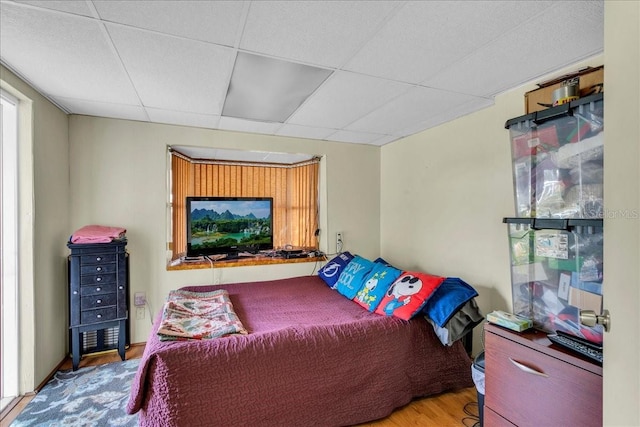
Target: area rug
{"x":91,"y":396}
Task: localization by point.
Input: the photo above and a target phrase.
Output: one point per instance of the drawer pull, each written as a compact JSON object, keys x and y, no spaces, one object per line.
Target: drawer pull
{"x":99,"y":301}
{"x":98,"y":289}
{"x":98,"y":279}
{"x":99,"y":316}
{"x":98,"y":258}
{"x":527,"y":369}
{"x":98,"y":268}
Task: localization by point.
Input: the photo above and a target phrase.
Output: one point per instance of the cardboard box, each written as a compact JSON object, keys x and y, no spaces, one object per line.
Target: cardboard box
{"x":591,"y":81}
{"x":585,"y":300}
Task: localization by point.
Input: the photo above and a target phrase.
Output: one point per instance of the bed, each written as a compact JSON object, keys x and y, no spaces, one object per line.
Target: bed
{"x":311,"y":358}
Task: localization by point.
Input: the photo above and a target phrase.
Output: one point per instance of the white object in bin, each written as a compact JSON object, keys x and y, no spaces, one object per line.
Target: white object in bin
{"x":478,"y":378}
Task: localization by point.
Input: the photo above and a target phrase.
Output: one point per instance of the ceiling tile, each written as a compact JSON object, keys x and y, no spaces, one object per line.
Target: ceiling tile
{"x":475,"y":104}
{"x":182,"y":118}
{"x":355,"y":137}
{"x":174,"y":74}
{"x":323,"y":33}
{"x":536,"y":38}
{"x":399,"y":67}
{"x":232,"y":123}
{"x":70,"y":6}
{"x":211,"y":21}
{"x":298,"y":131}
{"x":102,"y":109}
{"x":415,"y":105}
{"x":426,"y":36}
{"x":62,"y":55}
{"x":386,"y":139}
{"x":344,"y":98}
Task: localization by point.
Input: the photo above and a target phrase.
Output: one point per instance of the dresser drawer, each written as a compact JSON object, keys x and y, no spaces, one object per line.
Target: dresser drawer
{"x":98,"y":268}
{"x":99,"y":258}
{"x":97,"y":279}
{"x":98,"y":301}
{"x":531,"y":388}
{"x":98,"y":315}
{"x":109,"y":288}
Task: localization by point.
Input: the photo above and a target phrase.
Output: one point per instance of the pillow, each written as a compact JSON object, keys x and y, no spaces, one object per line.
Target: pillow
{"x":408,"y":294}
{"x":376,"y":285}
{"x":381,"y":261}
{"x":331,"y":271}
{"x":452,"y":294}
{"x":352,"y":277}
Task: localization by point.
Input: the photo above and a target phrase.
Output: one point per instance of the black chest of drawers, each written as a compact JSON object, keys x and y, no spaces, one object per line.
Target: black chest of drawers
{"x":98,"y":295}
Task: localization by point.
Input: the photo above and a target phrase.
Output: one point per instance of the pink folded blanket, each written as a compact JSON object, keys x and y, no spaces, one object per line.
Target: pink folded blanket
{"x":97,"y":234}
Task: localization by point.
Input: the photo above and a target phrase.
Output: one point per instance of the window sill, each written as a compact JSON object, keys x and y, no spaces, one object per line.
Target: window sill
{"x":239,"y":262}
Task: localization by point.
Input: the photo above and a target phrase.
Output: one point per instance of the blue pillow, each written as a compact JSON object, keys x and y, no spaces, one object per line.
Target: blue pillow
{"x":450,"y":296}
{"x":376,"y":285}
{"x":352,"y":277}
{"x":331,"y":271}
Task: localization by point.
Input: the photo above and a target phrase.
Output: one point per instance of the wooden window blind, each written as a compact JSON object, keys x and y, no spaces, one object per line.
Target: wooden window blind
{"x":294,"y":189}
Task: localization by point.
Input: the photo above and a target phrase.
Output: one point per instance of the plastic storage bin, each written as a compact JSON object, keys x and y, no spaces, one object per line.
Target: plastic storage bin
{"x":556,"y":271}
{"x":557,"y":157}
{"x":477,"y":373}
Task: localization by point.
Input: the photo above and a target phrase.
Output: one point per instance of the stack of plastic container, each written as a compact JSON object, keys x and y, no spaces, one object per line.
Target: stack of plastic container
{"x":556,"y":238}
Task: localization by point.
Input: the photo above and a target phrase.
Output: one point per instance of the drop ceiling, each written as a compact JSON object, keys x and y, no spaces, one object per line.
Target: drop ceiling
{"x":395,"y":68}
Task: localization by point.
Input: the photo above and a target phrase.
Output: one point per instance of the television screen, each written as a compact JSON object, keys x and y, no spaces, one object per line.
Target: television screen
{"x":227,"y":225}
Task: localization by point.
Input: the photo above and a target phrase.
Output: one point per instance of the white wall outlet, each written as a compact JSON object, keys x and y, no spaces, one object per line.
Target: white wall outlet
{"x":339,"y":242}
{"x":139,"y":313}
{"x":139,"y":299}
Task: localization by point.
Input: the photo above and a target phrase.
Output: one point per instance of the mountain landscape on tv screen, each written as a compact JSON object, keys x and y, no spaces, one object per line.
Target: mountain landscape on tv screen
{"x":197,"y":214}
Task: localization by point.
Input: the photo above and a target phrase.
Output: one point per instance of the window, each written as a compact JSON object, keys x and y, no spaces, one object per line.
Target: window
{"x":294,"y":188}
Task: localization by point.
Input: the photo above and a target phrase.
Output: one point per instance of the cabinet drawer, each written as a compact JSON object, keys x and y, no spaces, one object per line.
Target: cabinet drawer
{"x":98,"y":315}
{"x":98,"y":268}
{"x":97,"y":259}
{"x":98,"y":289}
{"x":97,"y":279}
{"x":98,"y":301}
{"x":560,"y":394}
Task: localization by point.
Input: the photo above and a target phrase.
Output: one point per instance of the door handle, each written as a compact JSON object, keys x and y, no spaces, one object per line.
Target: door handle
{"x":591,"y":319}
{"x":527,"y":369}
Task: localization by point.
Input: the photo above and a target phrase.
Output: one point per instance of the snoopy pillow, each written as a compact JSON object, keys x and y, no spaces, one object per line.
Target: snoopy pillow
{"x":376,"y":285}
{"x":408,"y":294}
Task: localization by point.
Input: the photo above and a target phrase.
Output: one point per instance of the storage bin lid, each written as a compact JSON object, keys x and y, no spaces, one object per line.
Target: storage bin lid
{"x":542,"y":116}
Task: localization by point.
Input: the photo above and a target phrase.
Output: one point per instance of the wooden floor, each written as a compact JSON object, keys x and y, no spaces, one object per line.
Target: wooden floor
{"x":445,"y":410}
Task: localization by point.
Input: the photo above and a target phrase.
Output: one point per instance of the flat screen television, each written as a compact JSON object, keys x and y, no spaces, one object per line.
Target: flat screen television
{"x":228,"y":225}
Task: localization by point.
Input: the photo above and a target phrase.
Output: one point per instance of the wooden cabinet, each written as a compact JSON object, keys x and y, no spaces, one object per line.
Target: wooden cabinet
{"x":98,"y":296}
{"x":531,"y":382}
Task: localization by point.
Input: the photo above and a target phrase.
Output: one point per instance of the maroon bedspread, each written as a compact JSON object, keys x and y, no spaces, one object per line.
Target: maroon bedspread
{"x":311,"y":357}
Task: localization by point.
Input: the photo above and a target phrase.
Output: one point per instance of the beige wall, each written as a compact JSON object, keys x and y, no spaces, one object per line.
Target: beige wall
{"x":119,"y":175}
{"x":44,"y":222}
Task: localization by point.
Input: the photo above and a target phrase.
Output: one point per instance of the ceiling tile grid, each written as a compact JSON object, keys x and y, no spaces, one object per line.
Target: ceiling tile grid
{"x":62,"y":55}
{"x":397,"y":67}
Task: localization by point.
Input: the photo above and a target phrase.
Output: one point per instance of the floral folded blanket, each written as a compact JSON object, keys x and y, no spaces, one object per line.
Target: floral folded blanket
{"x":198,"y":315}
